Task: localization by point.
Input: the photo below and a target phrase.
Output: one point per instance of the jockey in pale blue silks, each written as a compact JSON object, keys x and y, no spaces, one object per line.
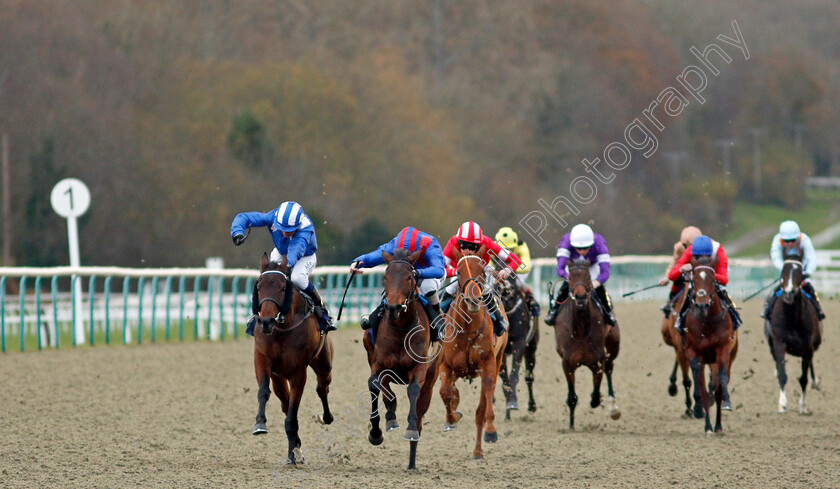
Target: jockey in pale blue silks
{"x":429,"y":269}
{"x":293,"y":235}
{"x":790,"y":242}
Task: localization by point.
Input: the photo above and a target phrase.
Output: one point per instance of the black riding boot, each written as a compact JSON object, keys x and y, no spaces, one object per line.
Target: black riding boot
{"x":769,"y":302}
{"x":809,"y":289}
{"x":324,"y":318}
{"x":679,"y":325}
{"x":445,"y":301}
{"x":372,"y":319}
{"x":606,"y":303}
{"x":668,"y":308}
{"x":251,"y":322}
{"x":433,"y":312}
{"x":533,"y":305}
{"x":730,"y":306}
{"x":554,"y":308}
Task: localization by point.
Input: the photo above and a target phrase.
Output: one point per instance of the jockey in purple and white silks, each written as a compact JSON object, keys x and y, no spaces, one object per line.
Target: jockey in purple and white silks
{"x":790,"y":242}
{"x":429,"y":268}
{"x":583,"y":242}
{"x":293,"y":235}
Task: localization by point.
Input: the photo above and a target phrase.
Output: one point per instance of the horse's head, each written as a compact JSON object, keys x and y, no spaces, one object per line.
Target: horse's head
{"x":471,"y":278}
{"x":273,"y":293}
{"x":580,"y":282}
{"x":400,"y":280}
{"x":791,"y":280}
{"x":702,"y":284}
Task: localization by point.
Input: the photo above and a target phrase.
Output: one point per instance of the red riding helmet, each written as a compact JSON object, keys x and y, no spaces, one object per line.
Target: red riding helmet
{"x":470,"y":232}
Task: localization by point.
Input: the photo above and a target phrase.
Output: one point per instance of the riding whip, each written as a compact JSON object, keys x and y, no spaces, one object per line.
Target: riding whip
{"x":346,"y":288}
{"x":642,"y":289}
{"x":759,"y":291}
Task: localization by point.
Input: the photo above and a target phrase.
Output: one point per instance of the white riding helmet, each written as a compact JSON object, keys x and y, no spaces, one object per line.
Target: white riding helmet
{"x":789,"y":230}
{"x":582,"y":236}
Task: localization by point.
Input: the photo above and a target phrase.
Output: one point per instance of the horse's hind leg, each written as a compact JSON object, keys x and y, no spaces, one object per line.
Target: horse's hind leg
{"x":612,"y":346}
{"x":450,"y":397}
{"x":263,"y":372}
{"x":516,"y":363}
{"x":480,"y":415}
{"x":530,"y":362}
{"x":491,"y":435}
{"x":701,"y":393}
{"x":503,"y":374}
{"x":571,"y":398}
{"x":281,"y":390}
{"x":686,"y":382}
{"x":296,"y":383}
{"x":803,"y":381}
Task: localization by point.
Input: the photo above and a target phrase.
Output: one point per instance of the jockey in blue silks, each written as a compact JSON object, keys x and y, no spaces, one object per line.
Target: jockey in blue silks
{"x":429,"y":268}
{"x":293,"y":235}
{"x":790,"y":242}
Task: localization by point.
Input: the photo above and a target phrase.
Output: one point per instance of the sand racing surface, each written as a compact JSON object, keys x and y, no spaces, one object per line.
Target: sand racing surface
{"x":180,"y":415}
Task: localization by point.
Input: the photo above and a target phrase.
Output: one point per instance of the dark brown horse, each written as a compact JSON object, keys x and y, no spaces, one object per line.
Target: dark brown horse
{"x":583,"y":338}
{"x":471,"y":350}
{"x":672,"y":338}
{"x":794,"y":328}
{"x":709,"y":340}
{"x":287,"y":340}
{"x":523,"y":337}
{"x":401,"y":352}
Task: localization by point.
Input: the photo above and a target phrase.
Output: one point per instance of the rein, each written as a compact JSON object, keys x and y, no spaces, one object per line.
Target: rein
{"x":413,"y":296}
{"x":281,"y":318}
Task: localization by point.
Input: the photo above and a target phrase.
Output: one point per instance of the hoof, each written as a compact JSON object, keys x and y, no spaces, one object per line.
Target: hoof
{"x":698,"y":412}
{"x":450,"y":426}
{"x":532,"y":407}
{"x":672,"y":390}
{"x":491,"y":437}
{"x":391,"y":425}
{"x":595,"y":402}
{"x":804,"y":412}
{"x":376,"y":441}
{"x":726,"y":406}
{"x":478,"y":456}
{"x":513,"y":405}
{"x":412,"y":435}
{"x":710,"y":433}
{"x":324,"y":419}
{"x":782,"y":410}
{"x":615,"y":413}
{"x":259,"y":429}
{"x":815,"y":384}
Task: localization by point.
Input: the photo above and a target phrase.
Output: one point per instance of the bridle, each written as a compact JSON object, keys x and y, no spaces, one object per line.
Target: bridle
{"x":411,"y":297}
{"x":280,"y":318}
{"x":789,"y":289}
{"x":470,"y":278}
{"x":572,"y":288}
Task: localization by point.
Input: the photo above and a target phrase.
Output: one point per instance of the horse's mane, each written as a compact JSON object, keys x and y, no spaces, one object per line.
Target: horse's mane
{"x":704,"y":260}
{"x":401,"y":254}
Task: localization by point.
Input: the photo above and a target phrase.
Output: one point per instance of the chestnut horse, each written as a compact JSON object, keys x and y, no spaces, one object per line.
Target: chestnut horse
{"x":709,"y":340}
{"x":470,"y":349}
{"x":523,"y":336}
{"x":287,"y":339}
{"x":583,"y":338}
{"x":401,"y":352}
{"x":794,"y":328}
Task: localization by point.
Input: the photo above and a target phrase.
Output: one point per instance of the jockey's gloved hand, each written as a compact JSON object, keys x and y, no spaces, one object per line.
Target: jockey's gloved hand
{"x":238,"y":239}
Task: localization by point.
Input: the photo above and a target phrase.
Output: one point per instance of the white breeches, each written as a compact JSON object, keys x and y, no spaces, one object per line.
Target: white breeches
{"x":303,"y":268}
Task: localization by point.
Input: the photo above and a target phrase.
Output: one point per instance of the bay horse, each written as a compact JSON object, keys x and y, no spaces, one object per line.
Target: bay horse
{"x":523,"y":337}
{"x":794,"y":328}
{"x":583,"y":338}
{"x":470,"y":349}
{"x":709,"y":340}
{"x":672,"y":338}
{"x":287,"y":340}
{"x":401,"y":352}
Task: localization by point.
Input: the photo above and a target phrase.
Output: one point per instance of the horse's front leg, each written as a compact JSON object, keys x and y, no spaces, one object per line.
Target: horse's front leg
{"x":375,"y":436}
{"x":701,"y":393}
{"x":263,"y":371}
{"x":717,"y":371}
{"x":412,"y":432}
{"x":779,"y":357}
{"x":516,"y":363}
{"x":448,"y":394}
{"x":488,"y":386}
{"x":571,"y":398}
{"x":693,"y":364}
{"x":390,"y":401}
{"x":296,"y":384}
{"x":597,"y":376}
{"x":530,"y":363}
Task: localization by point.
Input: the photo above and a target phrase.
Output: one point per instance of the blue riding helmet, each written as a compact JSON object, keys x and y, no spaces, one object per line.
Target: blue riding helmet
{"x":702,"y":245}
{"x":288,"y":216}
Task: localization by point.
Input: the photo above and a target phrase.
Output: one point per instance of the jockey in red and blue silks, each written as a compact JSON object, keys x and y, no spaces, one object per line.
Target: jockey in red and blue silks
{"x":583,"y":242}
{"x":429,"y":269}
{"x":293,"y":235}
{"x":791,"y":243}
{"x":704,"y":246}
